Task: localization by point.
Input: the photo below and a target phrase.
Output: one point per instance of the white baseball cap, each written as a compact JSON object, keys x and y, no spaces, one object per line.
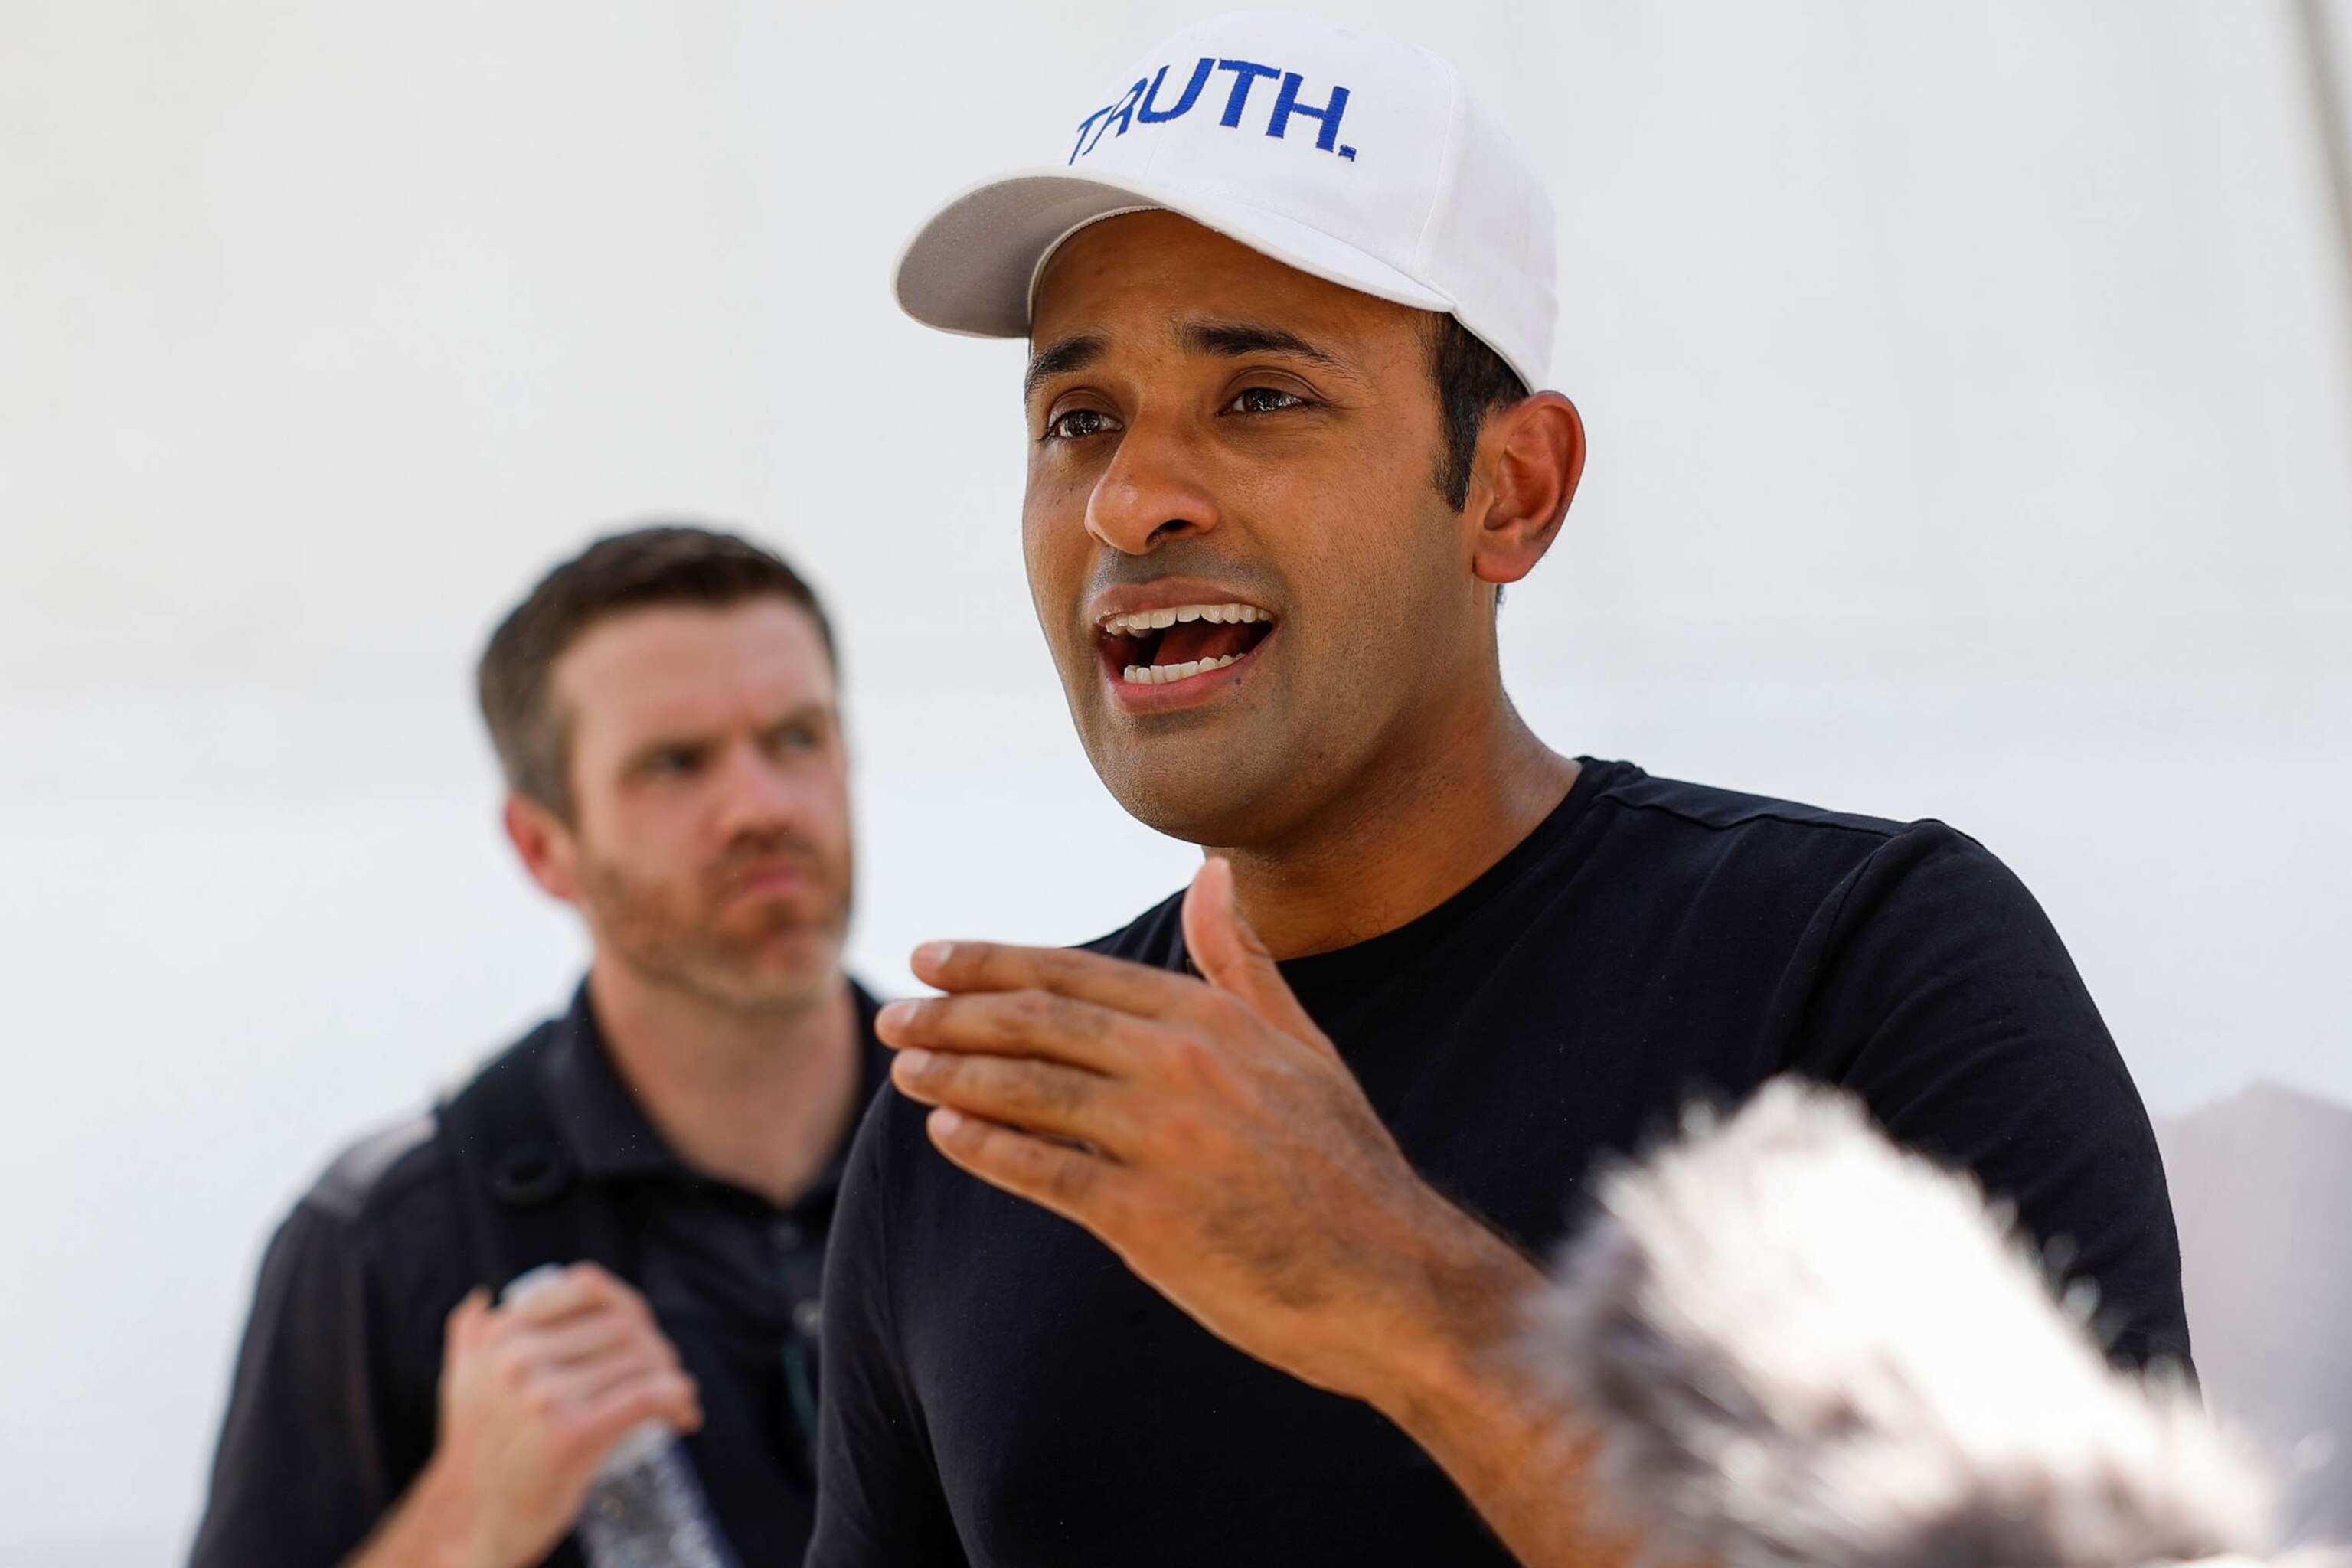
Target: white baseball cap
{"x":1352,"y":157}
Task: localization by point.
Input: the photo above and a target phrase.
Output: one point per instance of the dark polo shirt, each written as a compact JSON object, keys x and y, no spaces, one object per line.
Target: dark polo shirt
{"x":331,"y":1413}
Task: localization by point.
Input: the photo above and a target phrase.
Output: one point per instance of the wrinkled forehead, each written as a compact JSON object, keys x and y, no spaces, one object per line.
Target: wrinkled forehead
{"x":690,"y":668}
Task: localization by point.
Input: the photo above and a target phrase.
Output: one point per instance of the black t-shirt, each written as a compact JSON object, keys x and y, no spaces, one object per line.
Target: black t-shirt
{"x":333,"y":1411}
{"x":1002,"y":1392}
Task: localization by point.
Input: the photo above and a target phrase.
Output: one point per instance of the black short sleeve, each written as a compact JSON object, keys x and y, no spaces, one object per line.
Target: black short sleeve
{"x":1947,"y":1002}
{"x":879,"y":1502}
{"x":1002,"y":1391}
{"x":301,"y":1406}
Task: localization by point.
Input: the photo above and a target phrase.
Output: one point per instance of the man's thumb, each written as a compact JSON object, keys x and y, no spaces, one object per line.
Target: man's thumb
{"x":1230,"y":956}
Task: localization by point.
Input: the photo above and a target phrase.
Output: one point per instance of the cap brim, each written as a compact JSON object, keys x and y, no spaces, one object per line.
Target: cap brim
{"x":970,"y":268}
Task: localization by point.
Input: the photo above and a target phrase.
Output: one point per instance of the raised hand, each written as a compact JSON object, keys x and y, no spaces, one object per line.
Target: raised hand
{"x":1208,"y":1132}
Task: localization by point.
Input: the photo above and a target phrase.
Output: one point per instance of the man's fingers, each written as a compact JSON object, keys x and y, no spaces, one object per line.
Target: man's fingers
{"x":466,"y":1323}
{"x":1036,"y":1096}
{"x":1229,"y":954}
{"x":1114,"y":983}
{"x":586,"y":1337}
{"x":1070,"y":1181}
{"x":578,"y":1287}
{"x":1016,"y":1023}
{"x":662,"y":1395}
{"x":581,"y":1384}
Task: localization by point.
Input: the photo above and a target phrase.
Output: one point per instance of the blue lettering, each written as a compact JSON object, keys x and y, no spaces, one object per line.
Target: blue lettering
{"x":1285,"y":105}
{"x":1246,"y":77}
{"x":1122,"y":112}
{"x":1151,"y":116}
{"x":1084,"y":126}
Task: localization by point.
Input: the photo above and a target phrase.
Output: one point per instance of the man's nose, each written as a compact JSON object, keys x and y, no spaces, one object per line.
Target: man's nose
{"x":1151,"y":492}
{"x":755,"y":792}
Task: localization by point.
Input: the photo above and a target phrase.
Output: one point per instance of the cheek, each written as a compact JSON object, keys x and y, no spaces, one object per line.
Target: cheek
{"x":1054,"y":551}
{"x":655,"y":840}
{"x":839,"y":829}
{"x":1379,"y":579}
{"x":602,"y":822}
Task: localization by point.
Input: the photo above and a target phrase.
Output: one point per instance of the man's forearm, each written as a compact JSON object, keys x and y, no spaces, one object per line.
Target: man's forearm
{"x":1464,"y":1394}
{"x":429,"y":1527}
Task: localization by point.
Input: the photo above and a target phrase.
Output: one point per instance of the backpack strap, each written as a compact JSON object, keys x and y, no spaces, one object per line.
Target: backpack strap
{"x":521,"y":1202}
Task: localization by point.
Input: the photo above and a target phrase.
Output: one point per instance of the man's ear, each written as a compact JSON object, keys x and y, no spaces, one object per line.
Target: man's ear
{"x":546,"y":845}
{"x":1530,"y":457}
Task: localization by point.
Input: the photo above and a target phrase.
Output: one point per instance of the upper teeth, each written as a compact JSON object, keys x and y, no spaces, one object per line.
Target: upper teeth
{"x":1142,"y":621}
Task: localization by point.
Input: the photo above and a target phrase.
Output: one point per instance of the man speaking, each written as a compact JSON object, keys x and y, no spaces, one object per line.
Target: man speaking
{"x":1223,"y":1256}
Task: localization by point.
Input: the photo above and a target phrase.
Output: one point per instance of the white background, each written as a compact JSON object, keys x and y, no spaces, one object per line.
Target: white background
{"x":1971,"y":422}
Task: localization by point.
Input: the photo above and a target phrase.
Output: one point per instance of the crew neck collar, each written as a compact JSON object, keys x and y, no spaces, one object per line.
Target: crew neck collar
{"x":1346,"y":967}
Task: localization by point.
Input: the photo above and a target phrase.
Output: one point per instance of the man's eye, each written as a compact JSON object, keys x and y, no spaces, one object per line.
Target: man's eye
{"x":1078,"y":424}
{"x":1265,"y":400}
{"x":791,"y":737}
{"x":678,"y":762}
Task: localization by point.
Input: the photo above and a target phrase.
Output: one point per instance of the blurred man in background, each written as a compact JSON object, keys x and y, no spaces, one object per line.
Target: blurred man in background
{"x":665,"y":708}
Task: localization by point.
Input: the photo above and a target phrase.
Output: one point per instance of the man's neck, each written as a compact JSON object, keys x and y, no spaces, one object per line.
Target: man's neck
{"x":760,"y":1100}
{"x":1424,"y":828}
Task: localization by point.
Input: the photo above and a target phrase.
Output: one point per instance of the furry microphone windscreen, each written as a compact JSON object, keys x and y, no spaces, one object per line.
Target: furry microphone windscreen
{"x":1798,"y":1345}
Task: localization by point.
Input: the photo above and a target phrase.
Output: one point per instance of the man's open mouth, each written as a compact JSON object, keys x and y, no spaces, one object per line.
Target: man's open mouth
{"x":1155,"y":648}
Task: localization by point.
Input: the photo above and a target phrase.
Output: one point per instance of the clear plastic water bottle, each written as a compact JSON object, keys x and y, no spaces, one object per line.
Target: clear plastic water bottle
{"x":646,"y":1507}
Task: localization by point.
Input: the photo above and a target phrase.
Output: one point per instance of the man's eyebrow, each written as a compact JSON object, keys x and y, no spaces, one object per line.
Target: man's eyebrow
{"x":646,"y":751}
{"x":816,"y":710}
{"x":1225,"y":340}
{"x":1232,"y":340}
{"x":1070,"y":354}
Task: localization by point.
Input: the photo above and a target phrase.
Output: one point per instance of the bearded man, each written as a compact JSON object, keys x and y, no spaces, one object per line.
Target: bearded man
{"x":664,"y":708}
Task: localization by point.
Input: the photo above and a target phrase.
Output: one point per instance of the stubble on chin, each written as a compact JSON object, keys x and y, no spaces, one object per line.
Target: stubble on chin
{"x":779,"y":963}
{"x":1200,"y":788}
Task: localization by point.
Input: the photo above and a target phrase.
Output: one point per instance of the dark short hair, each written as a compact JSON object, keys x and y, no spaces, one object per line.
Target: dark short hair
{"x":666,"y":563}
{"x":1472,"y":381}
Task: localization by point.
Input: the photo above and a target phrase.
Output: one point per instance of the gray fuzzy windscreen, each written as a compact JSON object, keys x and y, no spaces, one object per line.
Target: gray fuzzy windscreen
{"x":1801,"y":1346}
